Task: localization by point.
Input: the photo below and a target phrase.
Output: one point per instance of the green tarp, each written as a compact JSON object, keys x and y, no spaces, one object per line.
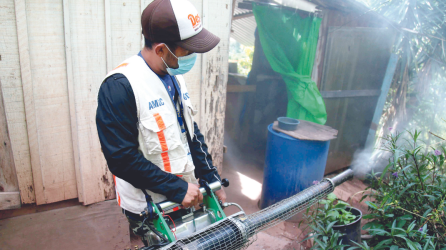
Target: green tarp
{"x":289,"y":43}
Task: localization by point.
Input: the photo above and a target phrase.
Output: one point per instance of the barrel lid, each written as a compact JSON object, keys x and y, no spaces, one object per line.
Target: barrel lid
{"x":309,"y":131}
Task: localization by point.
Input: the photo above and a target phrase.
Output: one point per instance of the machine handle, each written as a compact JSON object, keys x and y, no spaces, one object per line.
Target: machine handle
{"x":225,"y":182}
{"x":214,"y":187}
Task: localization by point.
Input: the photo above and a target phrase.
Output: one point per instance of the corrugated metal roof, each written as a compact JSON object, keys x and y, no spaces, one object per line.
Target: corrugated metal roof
{"x":243,"y":29}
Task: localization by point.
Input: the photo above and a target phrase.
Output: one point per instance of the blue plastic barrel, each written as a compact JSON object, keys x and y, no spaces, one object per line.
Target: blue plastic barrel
{"x":291,"y":165}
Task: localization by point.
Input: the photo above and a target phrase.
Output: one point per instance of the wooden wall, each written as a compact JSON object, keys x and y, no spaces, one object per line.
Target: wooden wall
{"x":54,"y":55}
{"x":217,"y":16}
{"x":336,"y":18}
{"x":9,"y":188}
{"x":352,"y":55}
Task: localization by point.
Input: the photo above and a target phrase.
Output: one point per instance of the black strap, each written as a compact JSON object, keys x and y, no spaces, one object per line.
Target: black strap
{"x":148,"y":197}
{"x":149,"y":200}
{"x":175,"y":98}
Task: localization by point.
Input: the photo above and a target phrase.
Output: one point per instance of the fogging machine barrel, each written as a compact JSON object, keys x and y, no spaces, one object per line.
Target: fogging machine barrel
{"x":234,"y":232}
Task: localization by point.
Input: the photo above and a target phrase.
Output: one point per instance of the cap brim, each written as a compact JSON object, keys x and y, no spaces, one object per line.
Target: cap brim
{"x":201,"y":42}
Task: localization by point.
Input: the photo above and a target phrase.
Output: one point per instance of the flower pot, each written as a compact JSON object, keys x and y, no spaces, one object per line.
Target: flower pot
{"x":352,"y":231}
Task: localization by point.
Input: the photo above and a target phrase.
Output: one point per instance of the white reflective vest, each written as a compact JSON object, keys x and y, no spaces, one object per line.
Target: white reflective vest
{"x":160,"y":139}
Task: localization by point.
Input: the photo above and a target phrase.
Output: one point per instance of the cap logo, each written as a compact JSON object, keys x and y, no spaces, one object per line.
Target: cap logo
{"x":195,"y":20}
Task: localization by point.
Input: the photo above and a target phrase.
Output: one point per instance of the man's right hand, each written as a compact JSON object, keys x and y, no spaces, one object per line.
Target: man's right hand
{"x":193,"y":196}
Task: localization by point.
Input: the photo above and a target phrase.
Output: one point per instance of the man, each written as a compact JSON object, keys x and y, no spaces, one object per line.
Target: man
{"x":145,"y":117}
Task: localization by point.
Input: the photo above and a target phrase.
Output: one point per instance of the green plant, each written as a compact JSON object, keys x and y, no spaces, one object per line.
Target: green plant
{"x":416,"y":97}
{"x":321,"y":220}
{"x":331,"y":212}
{"x":407,"y":200}
{"x":325,"y":236}
{"x":242,"y":54}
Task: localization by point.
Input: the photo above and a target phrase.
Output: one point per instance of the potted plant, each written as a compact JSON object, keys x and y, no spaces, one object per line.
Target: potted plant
{"x":334,"y":224}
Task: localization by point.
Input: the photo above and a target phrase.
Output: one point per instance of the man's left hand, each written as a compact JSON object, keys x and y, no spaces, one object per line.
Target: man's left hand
{"x":221,"y":195}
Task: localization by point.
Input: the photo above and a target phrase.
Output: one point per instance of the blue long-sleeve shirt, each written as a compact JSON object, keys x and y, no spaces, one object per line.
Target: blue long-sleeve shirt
{"x":116,"y":120}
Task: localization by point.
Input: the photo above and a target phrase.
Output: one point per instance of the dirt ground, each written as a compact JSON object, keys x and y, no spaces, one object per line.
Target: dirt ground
{"x":99,"y":226}
{"x":102,"y":225}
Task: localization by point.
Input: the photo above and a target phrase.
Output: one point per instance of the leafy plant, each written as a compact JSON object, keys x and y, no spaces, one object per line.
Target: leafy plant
{"x":326,"y":237}
{"x":321,"y":220}
{"x":416,"y":98}
{"x":242,"y":54}
{"x":331,"y":212}
{"x":407,"y":200}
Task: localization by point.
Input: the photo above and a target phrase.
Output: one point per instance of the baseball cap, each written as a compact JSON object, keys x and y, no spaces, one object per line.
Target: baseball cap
{"x":178,"y":22}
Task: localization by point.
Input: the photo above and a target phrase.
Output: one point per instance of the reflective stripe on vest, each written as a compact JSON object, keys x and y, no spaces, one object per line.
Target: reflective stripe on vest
{"x":163,"y":143}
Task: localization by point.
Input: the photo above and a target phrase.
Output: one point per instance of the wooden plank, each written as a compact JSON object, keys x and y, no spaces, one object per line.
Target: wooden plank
{"x":331,"y":18}
{"x":12,"y":89}
{"x":321,"y":43}
{"x":9,"y":195}
{"x":9,"y":200}
{"x":350,"y":93}
{"x":8,"y":176}
{"x":241,"y":88}
{"x":125,"y":30}
{"x":25,"y":68}
{"x":71,"y":101}
{"x":309,"y":131}
{"x":108,"y":39}
{"x":88,"y":54}
{"x":46,"y":103}
{"x":388,"y":77}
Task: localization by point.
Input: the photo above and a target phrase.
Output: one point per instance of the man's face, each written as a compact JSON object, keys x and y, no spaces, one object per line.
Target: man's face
{"x":171,"y":61}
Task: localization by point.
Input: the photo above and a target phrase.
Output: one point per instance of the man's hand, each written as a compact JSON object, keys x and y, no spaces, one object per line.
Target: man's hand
{"x":221,"y":195}
{"x":193,"y":196}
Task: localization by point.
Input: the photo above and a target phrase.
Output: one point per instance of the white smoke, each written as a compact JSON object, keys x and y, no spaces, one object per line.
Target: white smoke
{"x":367,"y":159}
{"x":372,"y":157}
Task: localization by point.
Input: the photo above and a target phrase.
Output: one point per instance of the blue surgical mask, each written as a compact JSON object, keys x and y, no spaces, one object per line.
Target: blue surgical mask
{"x":185,"y":64}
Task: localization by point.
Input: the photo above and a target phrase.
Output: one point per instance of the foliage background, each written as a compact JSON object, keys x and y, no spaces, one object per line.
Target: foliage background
{"x":242,"y":54}
{"x":417,"y":96}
